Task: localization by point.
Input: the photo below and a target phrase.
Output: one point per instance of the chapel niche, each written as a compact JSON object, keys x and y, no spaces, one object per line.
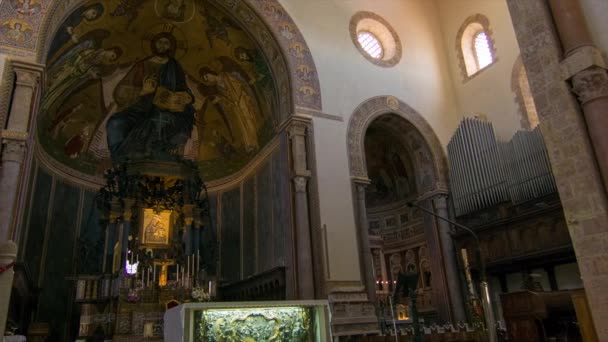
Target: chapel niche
{"x":399,"y":170}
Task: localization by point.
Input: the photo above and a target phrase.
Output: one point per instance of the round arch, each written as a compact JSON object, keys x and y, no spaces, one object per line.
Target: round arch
{"x":372,"y":109}
{"x":268,"y":24}
{"x":398,"y":117}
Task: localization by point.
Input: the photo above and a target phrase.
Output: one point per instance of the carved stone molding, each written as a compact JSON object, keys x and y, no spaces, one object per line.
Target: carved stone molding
{"x":352,"y":313}
{"x":298,"y":129}
{"x":580,"y":59}
{"x":8,"y":252}
{"x":372,"y":109}
{"x":27,"y":78}
{"x":440,"y":201}
{"x":13,"y":150}
{"x":13,"y":135}
{"x":590,"y":84}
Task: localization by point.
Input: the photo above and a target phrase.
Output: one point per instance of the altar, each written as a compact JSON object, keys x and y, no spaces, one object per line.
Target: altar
{"x":288,"y":321}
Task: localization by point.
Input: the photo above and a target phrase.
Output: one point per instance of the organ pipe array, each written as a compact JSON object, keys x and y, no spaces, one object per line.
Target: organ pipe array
{"x":484,"y":172}
{"x":527,"y":164}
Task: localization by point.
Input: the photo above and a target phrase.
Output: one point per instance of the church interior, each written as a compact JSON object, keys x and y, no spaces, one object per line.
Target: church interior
{"x":287,"y":170}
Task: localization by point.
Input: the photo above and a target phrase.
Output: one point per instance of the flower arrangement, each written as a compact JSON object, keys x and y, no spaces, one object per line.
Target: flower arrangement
{"x":199,"y":294}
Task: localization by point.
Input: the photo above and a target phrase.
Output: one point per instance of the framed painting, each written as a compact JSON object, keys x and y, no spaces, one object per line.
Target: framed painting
{"x":155,"y":227}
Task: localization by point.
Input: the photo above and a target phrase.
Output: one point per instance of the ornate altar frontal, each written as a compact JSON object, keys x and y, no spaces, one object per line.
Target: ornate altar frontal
{"x":295,"y":321}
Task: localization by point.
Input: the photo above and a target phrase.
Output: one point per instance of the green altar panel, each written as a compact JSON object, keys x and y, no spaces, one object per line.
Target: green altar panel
{"x":289,"y":321}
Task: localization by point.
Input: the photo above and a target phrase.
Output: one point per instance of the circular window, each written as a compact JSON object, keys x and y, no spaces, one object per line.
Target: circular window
{"x":375,"y":39}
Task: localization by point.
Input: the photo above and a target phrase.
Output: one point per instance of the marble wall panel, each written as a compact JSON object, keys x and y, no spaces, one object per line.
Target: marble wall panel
{"x":280,"y":187}
{"x":32,"y":253}
{"x":265,"y":218}
{"x":231,"y":236}
{"x":249,"y":228}
{"x":55,"y":297}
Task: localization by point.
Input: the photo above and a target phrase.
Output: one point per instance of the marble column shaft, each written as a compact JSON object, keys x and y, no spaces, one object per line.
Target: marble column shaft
{"x":301,"y":174}
{"x":15,"y":138}
{"x":8,"y":254}
{"x":365,"y":250}
{"x":112,"y":236}
{"x":449,"y":259}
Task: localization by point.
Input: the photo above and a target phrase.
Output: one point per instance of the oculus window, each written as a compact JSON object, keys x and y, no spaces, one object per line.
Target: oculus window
{"x":375,"y":39}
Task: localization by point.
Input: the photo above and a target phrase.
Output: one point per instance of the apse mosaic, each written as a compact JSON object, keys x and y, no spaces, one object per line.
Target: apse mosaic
{"x":120,"y":69}
{"x":389,"y":168}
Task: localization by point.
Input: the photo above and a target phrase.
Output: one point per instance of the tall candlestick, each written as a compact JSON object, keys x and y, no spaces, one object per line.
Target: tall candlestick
{"x":188,"y":272}
{"x":177,"y":275}
{"x":148,"y":283}
{"x":154,"y":273}
{"x":198,"y":265}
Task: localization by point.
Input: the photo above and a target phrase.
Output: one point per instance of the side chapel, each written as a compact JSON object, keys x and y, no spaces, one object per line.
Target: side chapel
{"x":162,"y":152}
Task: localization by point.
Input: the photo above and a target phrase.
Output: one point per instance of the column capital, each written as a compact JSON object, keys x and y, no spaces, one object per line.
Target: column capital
{"x":300,"y":183}
{"x":128,"y":210}
{"x":440,"y":201}
{"x":580,"y":59}
{"x":116,"y":211}
{"x":361,"y":181}
{"x":433,"y":194}
{"x":590,"y":84}
{"x":13,"y":150}
{"x":297,"y":129}
{"x":28,"y":73}
{"x":8,"y":252}
{"x":295,"y":120}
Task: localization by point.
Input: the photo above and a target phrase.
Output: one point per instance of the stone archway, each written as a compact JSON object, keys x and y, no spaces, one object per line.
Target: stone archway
{"x":372,"y":109}
{"x":432,"y":193}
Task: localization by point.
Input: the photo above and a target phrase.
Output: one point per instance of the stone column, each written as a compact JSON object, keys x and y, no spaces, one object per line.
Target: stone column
{"x":15,"y":139}
{"x":188,"y":231}
{"x":585,"y":67}
{"x":440,"y":205}
{"x":385,"y":286}
{"x":301,"y":174}
{"x":365,"y":252}
{"x":574,"y":159}
{"x":8,"y":254}
{"x":112,"y":236}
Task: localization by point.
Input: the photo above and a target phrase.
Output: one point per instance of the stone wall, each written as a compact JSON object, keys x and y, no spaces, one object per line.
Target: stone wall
{"x":572,"y":158}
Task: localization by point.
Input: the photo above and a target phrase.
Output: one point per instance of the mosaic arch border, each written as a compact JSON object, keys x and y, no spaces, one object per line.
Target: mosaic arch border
{"x":269,"y":25}
{"x":373,"y":108}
